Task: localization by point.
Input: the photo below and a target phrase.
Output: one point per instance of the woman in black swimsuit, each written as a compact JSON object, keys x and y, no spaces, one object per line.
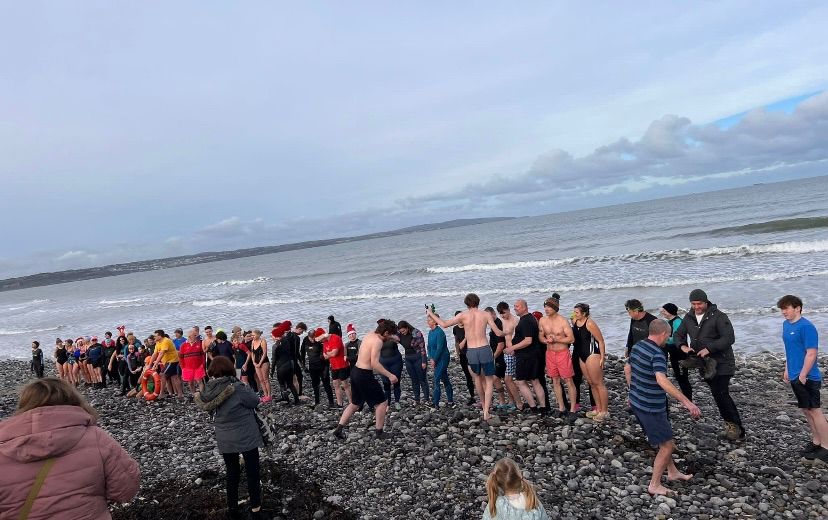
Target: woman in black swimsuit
{"x":262,"y":364}
{"x":61,"y":357}
{"x":590,"y":351}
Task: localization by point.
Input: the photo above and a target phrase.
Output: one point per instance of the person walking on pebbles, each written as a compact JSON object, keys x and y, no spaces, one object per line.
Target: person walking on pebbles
{"x":802,"y":371}
{"x":478,"y":352}
{"x":646,"y":374}
{"x":711,"y":339}
{"x":364,"y":386}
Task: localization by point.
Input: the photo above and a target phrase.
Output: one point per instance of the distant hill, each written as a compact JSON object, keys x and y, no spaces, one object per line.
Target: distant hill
{"x":75,"y":275}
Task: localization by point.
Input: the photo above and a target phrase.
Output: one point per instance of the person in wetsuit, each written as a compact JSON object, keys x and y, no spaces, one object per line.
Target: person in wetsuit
{"x":391,"y":359}
{"x":317,"y":366}
{"x":352,"y":346}
{"x":284,"y":360}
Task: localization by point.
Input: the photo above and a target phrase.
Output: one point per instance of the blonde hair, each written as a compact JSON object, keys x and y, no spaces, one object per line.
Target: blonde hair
{"x":51,"y":391}
{"x":507,"y":477}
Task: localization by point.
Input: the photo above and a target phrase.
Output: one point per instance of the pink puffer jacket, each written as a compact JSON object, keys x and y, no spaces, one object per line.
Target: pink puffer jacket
{"x":91,"y":467}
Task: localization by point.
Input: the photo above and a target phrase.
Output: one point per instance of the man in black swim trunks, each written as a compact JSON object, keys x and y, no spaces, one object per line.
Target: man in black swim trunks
{"x":364,"y":386}
{"x":525,"y":345}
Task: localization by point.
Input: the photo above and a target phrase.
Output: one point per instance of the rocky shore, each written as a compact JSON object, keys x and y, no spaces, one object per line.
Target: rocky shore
{"x":435,"y":464}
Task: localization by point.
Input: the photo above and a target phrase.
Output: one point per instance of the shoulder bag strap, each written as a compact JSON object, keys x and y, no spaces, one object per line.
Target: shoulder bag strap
{"x":38,"y":483}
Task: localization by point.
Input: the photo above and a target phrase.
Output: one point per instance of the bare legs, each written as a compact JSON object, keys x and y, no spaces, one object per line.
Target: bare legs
{"x":664,"y":461}
{"x":341,"y":386}
{"x":262,"y":374}
{"x":570,"y":390}
{"x":483,"y":385}
{"x":595,"y":379}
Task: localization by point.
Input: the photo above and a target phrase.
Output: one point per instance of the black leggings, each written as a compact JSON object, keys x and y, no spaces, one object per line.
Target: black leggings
{"x":322,"y":374}
{"x":254,"y":486}
{"x":681,"y":374}
{"x":284,"y":374}
{"x":464,"y":364}
{"x":297,"y":371}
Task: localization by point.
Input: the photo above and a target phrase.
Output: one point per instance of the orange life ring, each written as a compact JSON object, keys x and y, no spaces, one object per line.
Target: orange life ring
{"x":156,"y":380}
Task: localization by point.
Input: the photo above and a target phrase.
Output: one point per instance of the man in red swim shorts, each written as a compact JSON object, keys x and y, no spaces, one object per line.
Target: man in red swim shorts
{"x":556,"y":334}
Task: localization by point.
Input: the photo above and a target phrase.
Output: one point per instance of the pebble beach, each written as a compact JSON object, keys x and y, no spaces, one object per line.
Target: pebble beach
{"x":435,"y":463}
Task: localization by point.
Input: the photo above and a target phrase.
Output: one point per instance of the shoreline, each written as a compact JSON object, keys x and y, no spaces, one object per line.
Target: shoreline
{"x":435,"y":464}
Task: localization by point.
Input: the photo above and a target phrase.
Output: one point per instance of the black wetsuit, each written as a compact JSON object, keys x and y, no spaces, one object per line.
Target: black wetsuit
{"x":284,"y":361}
{"x":494,"y":341}
{"x":639,"y":329}
{"x":319,"y":369}
{"x":459,"y":336}
{"x":352,"y":351}
{"x":292,"y":339}
{"x":392,"y":360}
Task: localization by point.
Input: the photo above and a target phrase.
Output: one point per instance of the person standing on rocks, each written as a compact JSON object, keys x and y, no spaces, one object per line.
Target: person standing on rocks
{"x":646,"y":374}
{"x":509,"y":321}
{"x":711,"y":336}
{"x":333,"y":350}
{"x":498,"y":344}
{"x":37,"y":359}
{"x":364,"y":386}
{"x":639,"y":322}
{"x":317,"y":366}
{"x":478,"y":352}
{"x":165,"y":353}
{"x":292,"y":337}
{"x":669,"y":311}
{"x":392,"y":360}
{"x":416,"y":359}
{"x":439,"y":357}
{"x":589,"y":351}
{"x":232,"y":405}
{"x":352,"y":347}
{"x":460,"y":342}
{"x":556,"y":333}
{"x":525,"y":345}
{"x":802,"y":371}
{"x":283,"y":360}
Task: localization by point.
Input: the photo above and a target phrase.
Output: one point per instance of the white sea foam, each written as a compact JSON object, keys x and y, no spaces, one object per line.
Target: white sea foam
{"x":226,"y":283}
{"x":517,"y":291}
{"x":120,"y":302}
{"x":26,"y":305}
{"x":816,"y":246}
{"x":13,"y":332}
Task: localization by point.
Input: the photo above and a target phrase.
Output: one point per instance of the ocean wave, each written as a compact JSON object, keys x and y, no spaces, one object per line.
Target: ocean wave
{"x":226,"y":283}
{"x":771,"y":226}
{"x":12,"y":332}
{"x":762,"y":311}
{"x":120,"y":302}
{"x":26,"y":305}
{"x":517,"y":291}
{"x":815,"y":246}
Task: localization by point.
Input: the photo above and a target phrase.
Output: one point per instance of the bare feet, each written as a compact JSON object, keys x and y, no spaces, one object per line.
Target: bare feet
{"x":659,"y":490}
{"x":678,"y":476}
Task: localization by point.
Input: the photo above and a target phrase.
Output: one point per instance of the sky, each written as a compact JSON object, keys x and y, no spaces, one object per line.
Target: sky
{"x":145,"y":130}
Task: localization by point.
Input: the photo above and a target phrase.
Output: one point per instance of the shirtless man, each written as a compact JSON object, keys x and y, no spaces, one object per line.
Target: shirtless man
{"x":480,"y":356}
{"x":525,"y":344}
{"x":364,"y":386}
{"x":557,"y":335}
{"x":207,"y":344}
{"x":509,"y":321}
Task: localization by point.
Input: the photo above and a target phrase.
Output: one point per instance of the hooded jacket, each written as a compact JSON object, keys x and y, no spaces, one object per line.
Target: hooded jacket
{"x":714,"y":333}
{"x":91,"y":468}
{"x":232,"y":404}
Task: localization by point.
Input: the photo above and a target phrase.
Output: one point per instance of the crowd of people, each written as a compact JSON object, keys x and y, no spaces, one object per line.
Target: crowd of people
{"x":509,"y":361}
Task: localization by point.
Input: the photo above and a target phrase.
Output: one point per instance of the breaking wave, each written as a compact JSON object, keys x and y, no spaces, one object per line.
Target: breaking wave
{"x":816,"y":246}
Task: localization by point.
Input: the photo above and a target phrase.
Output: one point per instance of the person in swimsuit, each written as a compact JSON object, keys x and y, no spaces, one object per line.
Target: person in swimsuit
{"x":61,"y":357}
{"x":261,"y":364}
{"x":74,"y":365}
{"x":556,"y":333}
{"x":478,"y":352}
{"x":590,"y":351}
{"x":365,"y":388}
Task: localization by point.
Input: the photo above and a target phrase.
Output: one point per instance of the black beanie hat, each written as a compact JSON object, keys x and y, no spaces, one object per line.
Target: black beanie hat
{"x":671,"y":308}
{"x":697,"y":295}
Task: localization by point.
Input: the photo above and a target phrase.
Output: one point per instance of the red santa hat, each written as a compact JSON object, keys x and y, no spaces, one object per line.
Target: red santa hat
{"x":318,"y":332}
{"x":279,"y":331}
{"x":350,"y":329}
{"x":537,"y":315}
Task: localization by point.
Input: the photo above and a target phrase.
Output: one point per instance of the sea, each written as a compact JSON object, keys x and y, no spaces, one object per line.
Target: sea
{"x":745,"y":247}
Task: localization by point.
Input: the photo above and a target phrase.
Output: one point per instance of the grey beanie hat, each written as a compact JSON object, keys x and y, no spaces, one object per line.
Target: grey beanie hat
{"x":697,"y":295}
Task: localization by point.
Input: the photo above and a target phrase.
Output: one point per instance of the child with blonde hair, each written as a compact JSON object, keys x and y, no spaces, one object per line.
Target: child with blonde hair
{"x":511,"y":497}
